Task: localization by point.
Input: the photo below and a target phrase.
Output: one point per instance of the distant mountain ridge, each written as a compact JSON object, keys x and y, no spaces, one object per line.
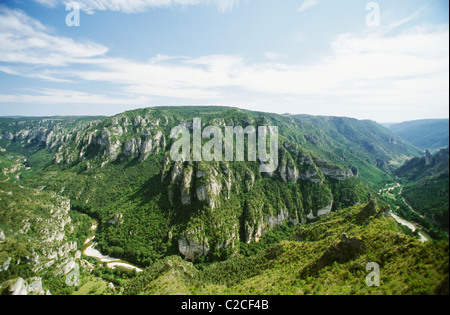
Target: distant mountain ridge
{"x":429,"y":134}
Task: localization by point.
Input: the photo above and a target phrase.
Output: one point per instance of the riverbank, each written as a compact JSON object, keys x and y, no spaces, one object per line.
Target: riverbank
{"x":411,"y":225}
{"x":89,"y":250}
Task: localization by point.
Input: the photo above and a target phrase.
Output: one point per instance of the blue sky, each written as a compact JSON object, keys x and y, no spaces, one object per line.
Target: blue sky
{"x":317,"y":57}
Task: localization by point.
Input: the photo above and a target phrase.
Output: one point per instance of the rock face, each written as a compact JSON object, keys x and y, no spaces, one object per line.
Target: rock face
{"x":428,"y":158}
{"x":186,"y":183}
{"x":211,"y":184}
{"x":297,"y":164}
{"x":344,"y":251}
{"x":308,"y":169}
{"x":72,"y":142}
{"x":201,"y":181}
{"x":322,"y":212}
{"x":434,"y":165}
{"x":19,"y":286}
{"x":2,"y":237}
{"x":15,"y":287}
{"x":257,"y":223}
{"x":367,"y":212}
{"x":347,"y":249}
{"x":46,"y":233}
{"x":116,"y":220}
{"x":192,"y":249}
{"x":333,"y":171}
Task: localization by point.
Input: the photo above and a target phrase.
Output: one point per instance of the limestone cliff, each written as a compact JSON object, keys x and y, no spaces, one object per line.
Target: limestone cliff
{"x":191,"y":249}
{"x":45,"y":234}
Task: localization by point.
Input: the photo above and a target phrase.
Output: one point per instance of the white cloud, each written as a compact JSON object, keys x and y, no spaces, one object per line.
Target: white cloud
{"x":139,"y":6}
{"x":48,"y":3}
{"x":405,"y":70}
{"x":224,"y":6}
{"x":25,"y":40}
{"x":274,"y":56}
{"x":307,"y":4}
{"x":55,"y":96}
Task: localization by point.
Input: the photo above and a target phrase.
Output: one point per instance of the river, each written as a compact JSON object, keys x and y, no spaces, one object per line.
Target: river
{"x":89,"y":250}
{"x":408,"y":224}
{"x":412,"y":226}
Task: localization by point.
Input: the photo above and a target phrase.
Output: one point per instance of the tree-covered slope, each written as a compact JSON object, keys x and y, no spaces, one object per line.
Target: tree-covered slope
{"x":426,"y":186}
{"x":430,"y":134}
{"x":326,"y":257}
{"x":40,"y":240}
{"x":354,"y":139}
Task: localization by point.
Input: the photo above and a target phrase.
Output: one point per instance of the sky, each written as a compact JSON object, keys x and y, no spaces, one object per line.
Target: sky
{"x":383,"y":60}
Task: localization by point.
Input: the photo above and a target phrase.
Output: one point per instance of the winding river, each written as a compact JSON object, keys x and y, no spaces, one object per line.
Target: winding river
{"x":412,"y":226}
{"x":89,"y":250}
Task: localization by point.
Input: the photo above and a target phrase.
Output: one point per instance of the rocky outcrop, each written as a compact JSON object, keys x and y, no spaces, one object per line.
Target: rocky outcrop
{"x":191,"y":249}
{"x":19,"y":286}
{"x":288,"y":171}
{"x":5,"y":265}
{"x":382,"y":164}
{"x":428,"y":158}
{"x":254,"y":223}
{"x":424,"y":168}
{"x":186,"y":185}
{"x":321,"y":212}
{"x":45,"y":233}
{"x":369,"y":211}
{"x":7,"y":136}
{"x":249,"y":180}
{"x":47,"y":133}
{"x":208,"y":185}
{"x":344,"y":251}
{"x":257,"y":223}
{"x":308,"y":169}
{"x":116,"y":220}
{"x":213,"y":183}
{"x":14,"y":287}
{"x":325,"y":211}
{"x":73,"y":142}
{"x":199,"y":180}
{"x":347,"y":249}
{"x":333,"y":171}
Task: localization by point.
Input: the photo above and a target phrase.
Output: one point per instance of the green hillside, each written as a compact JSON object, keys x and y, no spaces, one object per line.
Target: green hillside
{"x":364,"y":144}
{"x":426,"y":187}
{"x":328,"y":257}
{"x":430,"y":134}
